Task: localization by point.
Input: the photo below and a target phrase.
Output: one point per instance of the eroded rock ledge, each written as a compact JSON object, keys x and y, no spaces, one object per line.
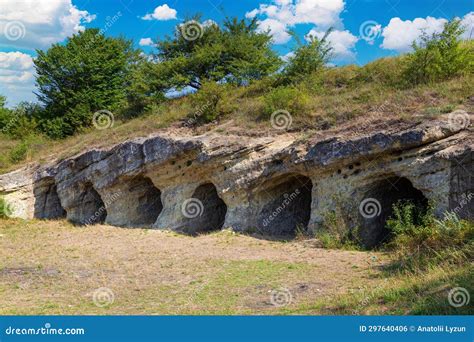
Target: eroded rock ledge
{"x":274,"y":185}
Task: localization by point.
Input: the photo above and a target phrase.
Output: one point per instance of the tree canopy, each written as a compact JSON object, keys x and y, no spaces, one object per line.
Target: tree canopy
{"x":235,"y":53}
{"x":89,"y":72}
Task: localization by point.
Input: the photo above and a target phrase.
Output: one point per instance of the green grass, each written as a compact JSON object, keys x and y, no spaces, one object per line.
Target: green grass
{"x":324,"y":100}
{"x":425,"y":293}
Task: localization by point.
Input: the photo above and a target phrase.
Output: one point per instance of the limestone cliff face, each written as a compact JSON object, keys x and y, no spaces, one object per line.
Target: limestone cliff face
{"x":274,"y":185}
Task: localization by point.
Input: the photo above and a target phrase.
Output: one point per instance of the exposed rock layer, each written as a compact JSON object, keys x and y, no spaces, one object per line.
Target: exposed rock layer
{"x":276,"y":185}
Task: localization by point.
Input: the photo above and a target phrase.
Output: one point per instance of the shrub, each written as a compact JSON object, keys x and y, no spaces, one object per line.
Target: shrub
{"x":308,"y":58}
{"x":290,"y":98}
{"x":5,"y":209}
{"x":20,"y":152}
{"x":385,"y":71}
{"x":209,"y":102}
{"x":334,"y":233}
{"x":339,"y":77}
{"x":439,"y":56}
{"x":421,"y":241}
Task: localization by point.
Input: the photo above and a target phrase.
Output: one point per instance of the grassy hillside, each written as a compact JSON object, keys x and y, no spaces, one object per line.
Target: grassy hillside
{"x":322,"y":101}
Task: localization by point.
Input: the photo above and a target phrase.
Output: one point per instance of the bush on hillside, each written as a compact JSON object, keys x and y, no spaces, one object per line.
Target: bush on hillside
{"x":439,"y":56}
{"x":209,"y":102}
{"x":5,"y":209}
{"x":422,"y":240}
{"x":289,"y":98}
{"x":307,"y":58}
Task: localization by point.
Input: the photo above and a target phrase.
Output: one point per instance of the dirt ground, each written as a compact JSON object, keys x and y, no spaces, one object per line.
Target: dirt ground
{"x":49,"y":267}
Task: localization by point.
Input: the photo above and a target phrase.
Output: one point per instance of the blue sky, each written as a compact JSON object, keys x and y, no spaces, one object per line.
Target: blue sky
{"x":364,"y":30}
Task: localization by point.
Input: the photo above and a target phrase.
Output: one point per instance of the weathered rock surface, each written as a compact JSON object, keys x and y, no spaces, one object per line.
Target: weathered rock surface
{"x":275,"y":185}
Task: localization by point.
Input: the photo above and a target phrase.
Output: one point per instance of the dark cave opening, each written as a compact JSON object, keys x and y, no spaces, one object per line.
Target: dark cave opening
{"x":286,"y":206}
{"x":386,"y":193}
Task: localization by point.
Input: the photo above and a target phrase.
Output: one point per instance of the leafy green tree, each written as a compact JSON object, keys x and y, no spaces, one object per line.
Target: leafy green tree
{"x":90,"y":72}
{"x":235,"y":53}
{"x":308,"y":58}
{"x":438,"y":56}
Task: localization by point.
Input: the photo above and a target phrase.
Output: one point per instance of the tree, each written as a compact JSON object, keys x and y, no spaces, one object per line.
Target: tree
{"x":308,"y":58}
{"x":438,"y":56}
{"x":90,"y":72}
{"x":235,"y":53}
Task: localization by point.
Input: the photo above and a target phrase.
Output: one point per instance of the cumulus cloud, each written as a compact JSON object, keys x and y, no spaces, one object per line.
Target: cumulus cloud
{"x":17,"y":76}
{"x":284,"y":14}
{"x":34,"y":24}
{"x":163,"y":12}
{"x":400,"y":34}
{"x":342,"y":42}
{"x":146,"y":42}
{"x":277,"y":29}
{"x":468,"y":23}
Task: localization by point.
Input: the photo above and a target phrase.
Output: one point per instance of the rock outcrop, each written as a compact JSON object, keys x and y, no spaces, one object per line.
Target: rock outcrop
{"x":274,"y":185}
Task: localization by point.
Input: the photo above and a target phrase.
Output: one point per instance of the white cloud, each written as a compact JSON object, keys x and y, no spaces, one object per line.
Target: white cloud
{"x":17,"y":77}
{"x":146,"y":42}
{"x":163,"y":12}
{"x":468,"y":23}
{"x":277,"y":29}
{"x":284,"y":14}
{"x":399,"y":35}
{"x":286,"y":57}
{"x":342,"y":42}
{"x":39,"y":23}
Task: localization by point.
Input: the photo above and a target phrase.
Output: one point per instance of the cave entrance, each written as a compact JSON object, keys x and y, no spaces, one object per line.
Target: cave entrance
{"x":144,"y":199}
{"x":286,"y":206}
{"x":92,"y":208}
{"x":388,"y":192}
{"x":209,"y":210}
{"x":47,"y":203}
